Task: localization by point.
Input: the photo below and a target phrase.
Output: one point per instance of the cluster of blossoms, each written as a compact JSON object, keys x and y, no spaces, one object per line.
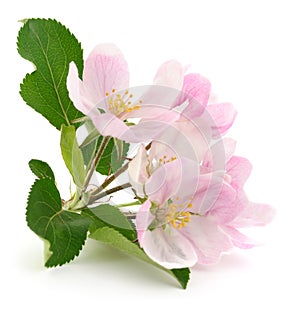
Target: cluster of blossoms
{"x":185,"y":175}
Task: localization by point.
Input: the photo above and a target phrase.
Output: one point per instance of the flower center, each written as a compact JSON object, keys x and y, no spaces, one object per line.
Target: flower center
{"x":178,"y":219}
{"x":121,"y":103}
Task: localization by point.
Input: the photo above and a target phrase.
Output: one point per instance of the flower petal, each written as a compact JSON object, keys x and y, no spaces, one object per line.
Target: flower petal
{"x":218,"y":153}
{"x":143,"y":219}
{"x":228,"y":207}
{"x":105,"y":69}
{"x":169,"y":248}
{"x":239,"y":169}
{"x":108,"y":124}
{"x":196,"y":89}
{"x":238,"y":239}
{"x":170,"y":74}
{"x":223,"y":115}
{"x":254,"y":214}
{"x":179,"y":177}
{"x":182,"y":139}
{"x":212,"y":193}
{"x":137,"y":170}
{"x":75,"y":87}
{"x":208,"y":239}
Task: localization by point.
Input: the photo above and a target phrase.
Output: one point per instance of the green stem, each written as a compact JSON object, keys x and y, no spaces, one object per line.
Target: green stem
{"x":123,"y":205}
{"x":105,"y":193}
{"x":95,"y":162}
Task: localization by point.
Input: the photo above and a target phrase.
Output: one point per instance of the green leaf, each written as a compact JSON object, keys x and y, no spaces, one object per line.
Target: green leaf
{"x":111,"y":161}
{"x":182,"y":275}
{"x":41,"y":169}
{"x":115,"y":239}
{"x":65,"y":231}
{"x":91,"y":138}
{"x":108,"y":215}
{"x":72,"y":155}
{"x":113,"y":155}
{"x":51,"y":48}
{"x":90,"y":143}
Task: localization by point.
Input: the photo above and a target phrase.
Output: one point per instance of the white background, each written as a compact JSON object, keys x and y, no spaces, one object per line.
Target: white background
{"x":250,"y":51}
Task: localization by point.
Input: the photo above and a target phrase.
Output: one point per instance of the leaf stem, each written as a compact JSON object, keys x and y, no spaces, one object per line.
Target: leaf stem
{"x":123,"y":205}
{"x":105,"y":193}
{"x":95,"y":162}
{"x":110,"y":179}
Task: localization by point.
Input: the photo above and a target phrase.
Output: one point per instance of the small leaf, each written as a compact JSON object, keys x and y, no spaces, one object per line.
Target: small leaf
{"x":182,"y":275}
{"x":72,"y":155}
{"x":108,"y":215}
{"x":51,"y":47}
{"x":41,"y":169}
{"x":90,"y":143}
{"x":115,"y":239}
{"x":65,"y":231}
{"x":119,"y":144}
{"x":91,"y":138}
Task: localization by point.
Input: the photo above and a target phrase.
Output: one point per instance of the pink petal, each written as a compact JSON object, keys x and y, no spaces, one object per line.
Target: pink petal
{"x":212,"y":193}
{"x":218,"y":155}
{"x":143,"y":219}
{"x":75,"y":87}
{"x":161,"y":95}
{"x":254,"y":214}
{"x":161,"y":151}
{"x":239,"y":169}
{"x":179,"y":177}
{"x":208,"y":239}
{"x":183,"y":139}
{"x":169,"y":248}
{"x":156,"y":112}
{"x":105,"y":69}
{"x":153,"y":122}
{"x":197,"y":90}
{"x":223,"y":115}
{"x":170,"y":74}
{"x":137,"y":170}
{"x":108,"y":124}
{"x":228,"y":207}
{"x":238,"y":239}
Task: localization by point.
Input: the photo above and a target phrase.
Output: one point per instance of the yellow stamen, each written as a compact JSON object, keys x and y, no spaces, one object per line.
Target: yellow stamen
{"x":177,"y":219}
{"x":118,"y":103}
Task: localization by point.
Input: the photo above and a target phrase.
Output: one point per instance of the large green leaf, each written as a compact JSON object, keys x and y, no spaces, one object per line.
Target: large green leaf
{"x":51,"y":48}
{"x":108,"y":215}
{"x":113,"y":238}
{"x":64,"y":231}
{"x":72,"y":155}
{"x":41,"y":169}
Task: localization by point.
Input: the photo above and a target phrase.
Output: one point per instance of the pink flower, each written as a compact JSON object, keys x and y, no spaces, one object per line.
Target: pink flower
{"x":241,"y":213}
{"x":174,"y":227}
{"x":195,"y":91}
{"x":103,"y":95}
{"x":193,"y":123}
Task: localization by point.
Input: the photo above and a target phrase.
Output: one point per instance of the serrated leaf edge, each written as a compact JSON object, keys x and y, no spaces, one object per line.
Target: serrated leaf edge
{"x":82,"y":245}
{"x":25,"y":21}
